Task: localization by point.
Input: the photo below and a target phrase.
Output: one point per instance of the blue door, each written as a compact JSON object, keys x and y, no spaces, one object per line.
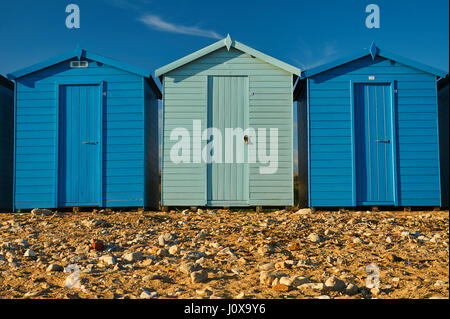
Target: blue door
{"x":228,"y":109}
{"x":80,"y":152}
{"x":374,"y":163}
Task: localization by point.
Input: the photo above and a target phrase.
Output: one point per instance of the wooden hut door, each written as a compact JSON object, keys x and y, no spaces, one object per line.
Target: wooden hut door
{"x":374,"y":162}
{"x":227,"y":178}
{"x":79,"y":145}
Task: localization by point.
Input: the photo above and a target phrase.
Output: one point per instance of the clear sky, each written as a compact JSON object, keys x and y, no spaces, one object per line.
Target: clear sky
{"x":152,"y":33}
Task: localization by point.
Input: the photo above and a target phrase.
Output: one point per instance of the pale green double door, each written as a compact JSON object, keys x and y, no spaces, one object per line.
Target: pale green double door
{"x":228,"y":104}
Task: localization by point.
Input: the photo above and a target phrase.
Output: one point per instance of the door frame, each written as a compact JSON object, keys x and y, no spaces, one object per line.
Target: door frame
{"x":392,"y":84}
{"x":218,"y":203}
{"x":101,"y":94}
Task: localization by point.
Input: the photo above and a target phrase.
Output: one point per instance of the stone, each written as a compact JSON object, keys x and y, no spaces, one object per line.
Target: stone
{"x":199,"y":276}
{"x":201,"y":235}
{"x":8,"y":246}
{"x":22,"y":243}
{"x":241,"y":295}
{"x":335,"y":284}
{"x":165,"y":239}
{"x":97,"y":244}
{"x":95,"y":223}
{"x":323,"y":297}
{"x":194,"y":255}
{"x":404,"y":234}
{"x":265,"y":250}
{"x":440,"y":283}
{"x":147,"y":262}
{"x":148,"y":295}
{"x":280,"y":287}
{"x":237,"y":271}
{"x":305,"y":263}
{"x":286,"y":281}
{"x":375,"y":291}
{"x":228,"y":252}
{"x":314,"y":238}
{"x":393,"y":258}
{"x":188,"y":268}
{"x":303,"y":211}
{"x":162,"y":252}
{"x":108,"y":259}
{"x":282,"y":265}
{"x":132,"y":257}
{"x":173,"y":250}
{"x":275,"y":282}
{"x":29,"y":253}
{"x":40,"y":211}
{"x":328,"y":232}
{"x":299,"y":280}
{"x":358,"y":240}
{"x":351,"y":289}
{"x":150,"y":277}
{"x":312,"y":286}
{"x":266,"y":277}
{"x":54,"y":267}
{"x":32,"y":294}
{"x":206,"y":292}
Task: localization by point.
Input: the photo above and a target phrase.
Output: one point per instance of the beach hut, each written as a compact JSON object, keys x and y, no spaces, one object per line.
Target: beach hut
{"x":227,"y":128}
{"x":443,"y":137}
{"x":6,"y":142}
{"x":86,"y":134}
{"x":368,"y":132}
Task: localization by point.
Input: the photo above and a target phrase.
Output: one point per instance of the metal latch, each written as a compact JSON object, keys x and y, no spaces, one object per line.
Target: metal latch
{"x":91,"y":143}
{"x":383,"y":141}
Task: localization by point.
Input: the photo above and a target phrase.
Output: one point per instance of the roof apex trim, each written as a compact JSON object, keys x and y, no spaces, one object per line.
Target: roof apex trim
{"x":228,"y":43}
{"x":373,"y":52}
{"x":77,"y":53}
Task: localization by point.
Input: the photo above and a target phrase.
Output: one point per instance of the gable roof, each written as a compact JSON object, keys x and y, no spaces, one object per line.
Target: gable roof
{"x":228,"y":43}
{"x":373,"y":52}
{"x":81,"y":53}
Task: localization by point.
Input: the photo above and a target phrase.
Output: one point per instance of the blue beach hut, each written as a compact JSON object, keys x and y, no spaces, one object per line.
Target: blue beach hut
{"x":86,"y":134}
{"x":368,"y":132}
{"x":227,"y":86}
{"x":443,"y":137}
{"x":6,"y":142}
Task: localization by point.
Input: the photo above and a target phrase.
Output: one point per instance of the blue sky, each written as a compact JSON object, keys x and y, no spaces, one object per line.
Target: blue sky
{"x":152,"y":33}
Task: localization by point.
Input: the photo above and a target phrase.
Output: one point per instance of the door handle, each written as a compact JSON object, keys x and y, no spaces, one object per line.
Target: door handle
{"x":91,"y":143}
{"x":383,"y":141}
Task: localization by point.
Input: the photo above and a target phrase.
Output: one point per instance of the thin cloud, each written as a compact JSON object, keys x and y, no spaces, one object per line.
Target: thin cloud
{"x":155,"y":22}
{"x":310,"y":57}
